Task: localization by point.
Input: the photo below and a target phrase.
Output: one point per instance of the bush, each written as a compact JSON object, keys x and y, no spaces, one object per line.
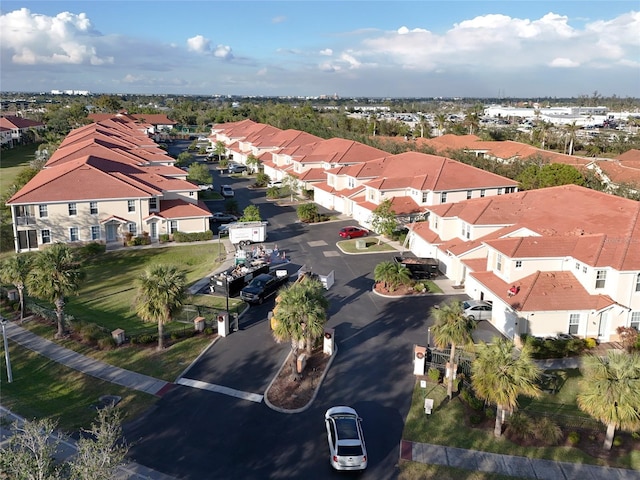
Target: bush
{"x":434,"y":374}
{"x":573,"y":438}
{"x":471,"y":400}
{"x":90,"y":333}
{"x":106,"y":343}
{"x":476,"y":419}
{"x":617,"y":442}
{"x":520,"y":426}
{"x":262,"y":179}
{"x":547,"y":431}
{"x":182,"y":237}
{"x":590,"y":343}
{"x":92,"y":249}
{"x":163,"y":237}
{"x":208,"y":331}
{"x":308,"y":212}
{"x":490,"y":412}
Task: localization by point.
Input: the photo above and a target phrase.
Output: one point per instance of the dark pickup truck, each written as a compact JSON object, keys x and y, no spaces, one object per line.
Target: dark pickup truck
{"x":420,"y":268}
{"x":263,"y":286}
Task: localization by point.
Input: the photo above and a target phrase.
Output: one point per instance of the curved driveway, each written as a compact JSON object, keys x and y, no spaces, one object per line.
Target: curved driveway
{"x":196,"y":434}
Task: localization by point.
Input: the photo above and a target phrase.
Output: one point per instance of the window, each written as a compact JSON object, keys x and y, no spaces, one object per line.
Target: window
{"x":44,"y":212}
{"x":73,"y":209}
{"x":601,"y":278}
{"x":499,"y":262}
{"x":173,"y":226}
{"x":468,"y":194}
{"x":574,"y":322}
{"x":73,"y":234}
{"x":443,"y":197}
{"x":584,"y":269}
{"x":578,"y":266}
{"x":518,"y":263}
{"x":482,"y":192}
{"x":635,"y":320}
{"x":499,"y":191}
{"x":510,"y":190}
{"x":93,"y":208}
{"x":153,"y":203}
{"x":425,"y":197}
{"x":351,"y":182}
{"x":95,"y":232}
{"x":46,"y":236}
{"x":131,"y":206}
{"x":638,"y":283}
{"x":133,"y":228}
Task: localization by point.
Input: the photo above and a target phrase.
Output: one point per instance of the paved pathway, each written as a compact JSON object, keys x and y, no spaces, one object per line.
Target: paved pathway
{"x":509,"y":464}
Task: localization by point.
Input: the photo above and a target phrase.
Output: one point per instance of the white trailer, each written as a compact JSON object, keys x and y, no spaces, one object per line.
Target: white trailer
{"x":244,"y":233}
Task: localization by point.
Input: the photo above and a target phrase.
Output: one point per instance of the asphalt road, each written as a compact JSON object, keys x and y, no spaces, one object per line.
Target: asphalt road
{"x":198,"y":434}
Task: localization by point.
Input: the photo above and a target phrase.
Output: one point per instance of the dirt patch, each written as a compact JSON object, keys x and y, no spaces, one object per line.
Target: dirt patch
{"x":400,"y":291}
{"x":288,"y":394}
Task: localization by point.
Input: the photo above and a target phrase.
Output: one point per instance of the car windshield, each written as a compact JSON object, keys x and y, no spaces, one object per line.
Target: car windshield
{"x":349,"y":450}
{"x":258,"y":283}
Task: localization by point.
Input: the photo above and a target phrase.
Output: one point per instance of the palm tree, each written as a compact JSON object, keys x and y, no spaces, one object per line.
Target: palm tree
{"x":16,"y":272}
{"x":301,"y":314}
{"x":452,"y":327}
{"x":391,"y":274}
{"x":571,"y":130}
{"x":441,"y":121}
{"x":500,"y":373}
{"x":161,"y":293}
{"x":610,"y":391}
{"x":56,"y":274}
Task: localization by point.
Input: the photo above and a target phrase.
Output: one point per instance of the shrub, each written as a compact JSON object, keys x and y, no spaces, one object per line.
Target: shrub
{"x":434,"y":374}
{"x":163,"y":237}
{"x":471,"y":400}
{"x":106,"y":343}
{"x":308,"y":212}
{"x":573,"y":438}
{"x":262,"y":179}
{"x":90,"y":333}
{"x":490,"y":412}
{"x":475,"y":419}
{"x":547,"y":431}
{"x":92,"y":249}
{"x":520,"y":426}
{"x":575,"y":346}
{"x":181,"y":237}
{"x":617,"y":442}
{"x":590,"y":343}
{"x":208,"y":331}
{"x":629,"y":337}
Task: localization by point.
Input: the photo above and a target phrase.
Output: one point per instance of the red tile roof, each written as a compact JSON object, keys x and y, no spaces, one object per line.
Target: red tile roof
{"x":12,"y":122}
{"x":176,"y":209}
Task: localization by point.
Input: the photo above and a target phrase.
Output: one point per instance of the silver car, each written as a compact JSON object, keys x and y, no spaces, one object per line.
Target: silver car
{"x":346,"y":441}
{"x":477,"y":310}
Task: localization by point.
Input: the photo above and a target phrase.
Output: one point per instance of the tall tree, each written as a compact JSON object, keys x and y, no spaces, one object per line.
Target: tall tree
{"x":56,"y":274}
{"x":610,"y":391}
{"x":392,"y":275}
{"x":251,"y":214}
{"x":500,"y":373}
{"x":15,"y":271}
{"x":200,"y":174}
{"x":441,"y":121}
{"x":161,"y":294}
{"x":29,"y":454}
{"x":384,"y":219}
{"x":101,"y":452}
{"x":451,"y":328}
{"x":571,"y":130}
{"x":300,"y":315}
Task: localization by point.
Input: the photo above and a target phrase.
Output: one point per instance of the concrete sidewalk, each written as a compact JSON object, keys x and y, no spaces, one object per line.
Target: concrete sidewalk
{"x":510,"y":465}
{"x":84,"y":364}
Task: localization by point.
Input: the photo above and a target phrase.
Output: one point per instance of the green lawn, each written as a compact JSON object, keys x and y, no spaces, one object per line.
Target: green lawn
{"x":42,"y":388}
{"x":349,"y":246}
{"x":445,"y":426}
{"x":12,"y":161}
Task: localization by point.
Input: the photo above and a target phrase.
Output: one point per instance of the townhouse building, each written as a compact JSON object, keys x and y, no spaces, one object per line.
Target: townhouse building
{"x":106,"y":181}
{"x":573,"y":255}
{"x":14,"y":130}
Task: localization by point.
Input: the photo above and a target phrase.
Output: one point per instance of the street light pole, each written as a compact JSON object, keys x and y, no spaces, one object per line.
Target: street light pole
{"x":428,"y":337}
{"x":6,"y":350}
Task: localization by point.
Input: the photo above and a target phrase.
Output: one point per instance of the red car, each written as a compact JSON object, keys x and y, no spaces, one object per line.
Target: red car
{"x":353,"y":232}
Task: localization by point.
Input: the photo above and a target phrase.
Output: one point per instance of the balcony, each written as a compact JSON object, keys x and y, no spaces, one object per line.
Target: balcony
{"x":21,"y":221}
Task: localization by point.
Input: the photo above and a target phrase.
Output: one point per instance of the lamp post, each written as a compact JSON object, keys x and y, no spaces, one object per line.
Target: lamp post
{"x":428,"y":337}
{"x":3,"y":322}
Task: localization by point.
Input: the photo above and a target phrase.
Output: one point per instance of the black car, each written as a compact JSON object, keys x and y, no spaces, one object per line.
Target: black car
{"x":263,"y":286}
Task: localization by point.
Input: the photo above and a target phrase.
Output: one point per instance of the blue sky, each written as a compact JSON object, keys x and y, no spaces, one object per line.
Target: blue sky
{"x":515,"y":48}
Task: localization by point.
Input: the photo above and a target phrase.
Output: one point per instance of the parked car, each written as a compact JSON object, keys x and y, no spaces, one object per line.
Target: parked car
{"x":263,"y":286}
{"x":275,"y":183}
{"x":227,"y":191}
{"x":205,"y":187}
{"x":224,"y":228}
{"x":236,"y":168}
{"x":353,"y":232}
{"x":477,"y":310}
{"x":223,"y":217}
{"x":347,"y":449}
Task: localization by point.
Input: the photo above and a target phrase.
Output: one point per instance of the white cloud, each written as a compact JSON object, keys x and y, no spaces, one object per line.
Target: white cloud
{"x":223,"y":51}
{"x":199,"y":44}
{"x":32,"y":39}
{"x":326,"y":52}
{"x":563,"y":63}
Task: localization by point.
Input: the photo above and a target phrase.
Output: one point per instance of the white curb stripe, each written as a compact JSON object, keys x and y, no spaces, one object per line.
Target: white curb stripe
{"x":252,"y":397}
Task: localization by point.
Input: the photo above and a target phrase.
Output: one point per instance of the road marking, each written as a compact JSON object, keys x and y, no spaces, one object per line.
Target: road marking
{"x":252,"y":397}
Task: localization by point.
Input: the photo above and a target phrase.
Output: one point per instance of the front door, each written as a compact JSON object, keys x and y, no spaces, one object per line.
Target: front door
{"x":603,"y":325}
{"x":154,"y":230}
{"x":112,"y":232}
